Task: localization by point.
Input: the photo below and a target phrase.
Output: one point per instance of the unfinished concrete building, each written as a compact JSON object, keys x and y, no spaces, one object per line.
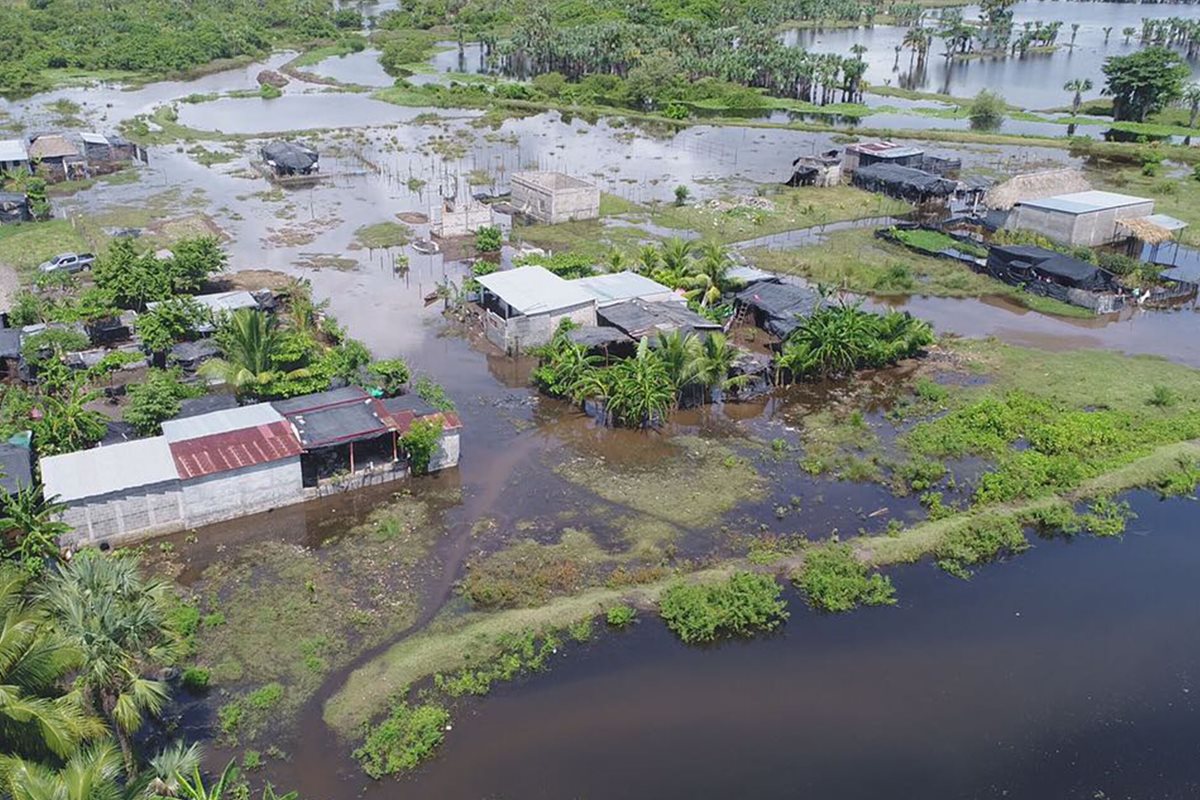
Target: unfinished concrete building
{"x":1088,"y":219}
{"x":554,"y":197}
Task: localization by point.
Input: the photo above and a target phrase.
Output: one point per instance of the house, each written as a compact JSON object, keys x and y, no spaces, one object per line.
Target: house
{"x":821,"y":170}
{"x":1085,"y":219}
{"x":14,"y":157}
{"x":287,"y":159}
{"x":96,"y":147}
{"x":54,"y":155}
{"x":868,"y":153}
{"x":554,"y":197}
{"x":402,"y":411}
{"x":777,"y":308}
{"x":15,"y":464}
{"x":341,"y":432}
{"x":523,"y":307}
{"x":617,"y":287}
{"x":638,"y":318}
{"x":14,"y":207}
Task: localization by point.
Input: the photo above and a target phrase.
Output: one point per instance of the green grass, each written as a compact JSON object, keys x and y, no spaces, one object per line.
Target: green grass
{"x":383,"y":235}
{"x":527,"y":573}
{"x":1178,"y":197}
{"x":934,"y":242}
{"x":26,"y":245}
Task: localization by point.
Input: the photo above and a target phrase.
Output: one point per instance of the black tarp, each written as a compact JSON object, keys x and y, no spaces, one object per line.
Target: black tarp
{"x":14,"y":207}
{"x":640,"y":318}
{"x":190,"y":355}
{"x":597,"y":336}
{"x":904,"y":183}
{"x":289,"y":158}
{"x":779,"y":307}
{"x":1026,"y":264}
{"x":10,"y":343}
{"x":14,"y":468}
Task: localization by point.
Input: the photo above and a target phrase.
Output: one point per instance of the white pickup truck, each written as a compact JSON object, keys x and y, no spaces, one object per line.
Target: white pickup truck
{"x":68,"y":262}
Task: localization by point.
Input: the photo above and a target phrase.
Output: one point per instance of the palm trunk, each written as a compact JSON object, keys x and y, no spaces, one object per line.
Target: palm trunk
{"x":106,"y":704}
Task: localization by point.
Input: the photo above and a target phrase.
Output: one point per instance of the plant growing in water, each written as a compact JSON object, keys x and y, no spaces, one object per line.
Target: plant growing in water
{"x":744,"y":604}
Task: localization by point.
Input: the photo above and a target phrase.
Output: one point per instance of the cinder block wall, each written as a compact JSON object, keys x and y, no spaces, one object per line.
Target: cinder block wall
{"x":228,"y":495}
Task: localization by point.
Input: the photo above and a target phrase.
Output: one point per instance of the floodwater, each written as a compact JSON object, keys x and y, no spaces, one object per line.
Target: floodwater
{"x":1034,"y":81}
{"x":1055,"y":675}
{"x":254,"y":115}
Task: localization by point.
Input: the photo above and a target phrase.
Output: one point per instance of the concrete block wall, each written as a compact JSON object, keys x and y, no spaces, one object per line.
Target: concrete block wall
{"x":127,"y":516}
{"x":581,"y":202}
{"x":228,"y":495}
{"x":521,"y":332}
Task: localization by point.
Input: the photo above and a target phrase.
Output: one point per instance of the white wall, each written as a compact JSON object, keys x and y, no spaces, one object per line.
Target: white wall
{"x":238,"y":493}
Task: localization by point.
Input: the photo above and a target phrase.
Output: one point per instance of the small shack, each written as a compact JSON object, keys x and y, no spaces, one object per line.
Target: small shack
{"x":1050,"y":274}
{"x":554,"y":197}
{"x":617,"y":287}
{"x":523,"y":307}
{"x":867,"y":153}
{"x":96,"y":147}
{"x":56,"y":157}
{"x":822,"y":170}
{"x":14,"y":157}
{"x":288,"y":159}
{"x":778,"y":308}
{"x":14,"y":207}
{"x":1080,"y":219}
{"x":603,"y":340}
{"x":10,"y":352}
{"x":905,"y":183}
{"x":639,"y":318}
{"x":401,"y":412}
{"x":189,"y":356}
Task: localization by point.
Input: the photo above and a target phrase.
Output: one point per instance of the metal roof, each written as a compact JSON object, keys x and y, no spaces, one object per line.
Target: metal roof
{"x":400,"y":412}
{"x":107,"y":469}
{"x":319,"y":400}
{"x":93,"y":138}
{"x":1085,"y":202}
{"x":1166,"y":222}
{"x":222,"y":452}
{"x":618,"y":286}
{"x":222,"y":421}
{"x":341,"y":424}
{"x":535,"y":290}
{"x":748,"y":274}
{"x":221,"y":301}
{"x":885,"y":149}
{"x":13,"y":150}
{"x":639,"y":318}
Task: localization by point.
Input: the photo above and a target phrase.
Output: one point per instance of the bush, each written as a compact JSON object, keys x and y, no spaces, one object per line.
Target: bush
{"x":682,"y":193}
{"x":269,"y":92}
{"x":390,"y":375}
{"x":987,"y":111}
{"x":620,"y":616}
{"x":744,"y":604}
{"x":407,"y":737}
{"x":421,"y":443}
{"x":489,"y":239}
{"x":266,"y":697}
{"x":195,"y":679}
{"x":978,"y":541}
{"x":834,"y":579}
{"x":156,"y":400}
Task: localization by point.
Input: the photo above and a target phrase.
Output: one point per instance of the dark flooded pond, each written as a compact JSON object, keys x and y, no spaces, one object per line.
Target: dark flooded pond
{"x":1034,"y":81}
{"x":1059,"y":674}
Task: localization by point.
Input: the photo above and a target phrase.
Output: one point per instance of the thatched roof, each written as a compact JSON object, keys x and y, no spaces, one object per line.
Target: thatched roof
{"x":1154,"y":229}
{"x":1035,"y":186}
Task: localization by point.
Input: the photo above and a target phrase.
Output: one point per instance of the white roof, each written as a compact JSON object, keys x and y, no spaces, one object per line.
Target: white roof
{"x":13,"y":150}
{"x":222,"y":301}
{"x":1166,"y":222}
{"x":535,"y":290}
{"x":1085,"y":202}
{"x":106,"y":469}
{"x":93,"y":138}
{"x":616,"y":287}
{"x":223,"y":421}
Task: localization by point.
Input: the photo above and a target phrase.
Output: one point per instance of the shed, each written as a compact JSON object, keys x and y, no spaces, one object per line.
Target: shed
{"x":119,"y":492}
{"x":222,"y":301}
{"x":524,"y":306}
{"x":904,"y":183}
{"x":96,"y":147}
{"x":290,"y":158}
{"x":56,"y":155}
{"x":617,"y":287}
{"x":14,"y":207}
{"x":204,"y":404}
{"x":638,"y":318}
{"x":867,"y":153}
{"x":10,"y":351}
{"x":188,"y":356}
{"x":602,"y":339}
{"x":14,"y":157}
{"x":1024,"y":264}
{"x":1087,"y":219}
{"x":778,"y":308}
{"x":820,"y":170}
{"x":15,"y":465}
{"x":554,"y":197}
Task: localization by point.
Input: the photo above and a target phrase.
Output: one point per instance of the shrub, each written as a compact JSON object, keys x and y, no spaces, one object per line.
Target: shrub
{"x":488,"y":239}
{"x":265,"y":697}
{"x":1106,"y":517}
{"x":987,"y":110}
{"x":407,"y":737}
{"x":421,"y":442}
{"x":269,"y":92}
{"x":195,"y":679}
{"x":682,"y":193}
{"x":230,"y":716}
{"x":980,"y":540}
{"x":834,"y":579}
{"x":390,"y":374}
{"x":155,"y":400}
{"x":620,"y":616}
{"x":580,"y":631}
{"x":433,"y":393}
{"x":1161,"y":397}
{"x":745,"y":603}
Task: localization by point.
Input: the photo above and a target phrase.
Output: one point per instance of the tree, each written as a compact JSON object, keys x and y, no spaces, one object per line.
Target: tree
{"x":66,"y":424}
{"x":194,"y":261}
{"x":156,"y":399}
{"x":640,"y":391}
{"x":1144,"y":82}
{"x":1107,"y":33}
{"x":390,"y":374}
{"x":169,"y":322}
{"x":682,"y":193}
{"x":489,"y":239}
{"x":118,"y":622}
{"x":135,"y":278}
{"x":88,"y":774}
{"x":27,"y":519}
{"x":1127,"y":33}
{"x":253,"y":348}
{"x":421,"y":441}
{"x":715,"y":362}
{"x":1078,"y":86}
{"x":1191,"y":100}
{"x":987,"y":110}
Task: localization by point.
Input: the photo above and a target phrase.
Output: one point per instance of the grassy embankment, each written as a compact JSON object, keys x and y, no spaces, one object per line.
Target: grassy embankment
{"x":1149,"y":406}
{"x":1177,"y":196}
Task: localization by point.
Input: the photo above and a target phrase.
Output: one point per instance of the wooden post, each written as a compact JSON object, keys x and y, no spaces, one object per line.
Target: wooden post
{"x":352,"y":457}
{"x":395,"y":443}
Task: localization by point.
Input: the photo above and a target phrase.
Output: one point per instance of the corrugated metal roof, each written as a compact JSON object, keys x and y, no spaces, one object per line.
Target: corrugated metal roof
{"x":1166,"y":222}
{"x":222,"y":452}
{"x":222,"y":301}
{"x":1085,"y":202}
{"x":618,"y":286}
{"x":13,"y":150}
{"x":223,"y":421}
{"x":113,"y":468}
{"x":340,"y":424}
{"x":748,"y":274}
{"x":93,"y":138}
{"x":535,"y":290}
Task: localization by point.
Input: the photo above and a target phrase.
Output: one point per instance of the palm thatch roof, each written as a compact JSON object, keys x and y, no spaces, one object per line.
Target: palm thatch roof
{"x":1035,"y":186}
{"x":1154,"y":229}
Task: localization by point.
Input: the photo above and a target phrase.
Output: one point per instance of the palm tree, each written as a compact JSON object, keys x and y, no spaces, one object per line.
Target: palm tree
{"x":679,"y":355}
{"x":28,"y":517}
{"x":1107,"y":33}
{"x":89,"y":774}
{"x":1191,"y":100}
{"x":66,"y":424}
{"x":117,"y":621}
{"x":1127,"y":33}
{"x":641,"y":392}
{"x":36,"y":720}
{"x":168,"y":766}
{"x":251,"y":342}
{"x":1074,"y":32}
{"x":648,"y":260}
{"x":674,"y":257}
{"x":1078,"y":86}
{"x":717,"y":357}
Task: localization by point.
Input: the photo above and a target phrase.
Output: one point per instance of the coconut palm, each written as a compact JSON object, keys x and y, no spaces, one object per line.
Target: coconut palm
{"x":1191,"y":101}
{"x":117,"y":621}
{"x":674,"y":260}
{"x":1078,"y":86}
{"x":88,"y":774}
{"x":1107,"y":33}
{"x":648,"y":260}
{"x":36,"y":720}
{"x":251,"y":343}
{"x":679,"y":354}
{"x":27,"y":518}
{"x":1128,"y":33}
{"x":168,"y":766}
{"x":640,"y":392}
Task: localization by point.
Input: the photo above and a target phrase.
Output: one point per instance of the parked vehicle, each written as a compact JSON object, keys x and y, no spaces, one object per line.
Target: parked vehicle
{"x":68,"y":262}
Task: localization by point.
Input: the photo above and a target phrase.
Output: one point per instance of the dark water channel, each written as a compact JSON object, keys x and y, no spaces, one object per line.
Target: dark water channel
{"x":1069,"y":672}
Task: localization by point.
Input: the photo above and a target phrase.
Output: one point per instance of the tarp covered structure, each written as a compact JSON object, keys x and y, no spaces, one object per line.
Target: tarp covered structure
{"x":14,"y":207}
{"x":779,"y":307}
{"x":639,"y":318}
{"x":904,"y":183}
{"x":289,"y":158}
{"x":1029,"y":265}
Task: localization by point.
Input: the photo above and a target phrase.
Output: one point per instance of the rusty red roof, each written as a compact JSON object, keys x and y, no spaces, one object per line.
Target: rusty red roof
{"x":221,"y":452}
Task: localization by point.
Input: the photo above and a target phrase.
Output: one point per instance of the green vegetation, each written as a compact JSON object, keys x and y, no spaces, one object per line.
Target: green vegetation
{"x":835,"y":579}
{"x":986,"y":111}
{"x":982,"y":539}
{"x":421,"y":442}
{"x":488,"y":239}
{"x":529,"y":574}
{"x":26,"y":245}
{"x":743,"y":605}
{"x":135,"y":276}
{"x":157,"y":399}
{"x":408,"y":736}
{"x":522,"y":652}
{"x":1144,"y":82}
{"x":620,"y":616}
{"x":839,"y":339}
{"x":935,"y":242}
{"x":383,"y":235}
